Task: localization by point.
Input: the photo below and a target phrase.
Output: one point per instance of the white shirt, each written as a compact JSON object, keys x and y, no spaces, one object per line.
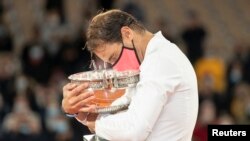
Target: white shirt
{"x":164,"y":104}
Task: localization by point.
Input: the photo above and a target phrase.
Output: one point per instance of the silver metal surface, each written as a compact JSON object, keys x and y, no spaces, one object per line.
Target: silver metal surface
{"x":107,"y":79}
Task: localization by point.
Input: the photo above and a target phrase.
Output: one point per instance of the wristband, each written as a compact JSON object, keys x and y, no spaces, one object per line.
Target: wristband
{"x":71,"y":115}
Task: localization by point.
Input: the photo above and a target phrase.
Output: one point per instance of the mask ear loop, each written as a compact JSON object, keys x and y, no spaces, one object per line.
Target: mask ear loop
{"x":133,"y":44}
{"x":122,"y":44}
{"x":136,"y":54}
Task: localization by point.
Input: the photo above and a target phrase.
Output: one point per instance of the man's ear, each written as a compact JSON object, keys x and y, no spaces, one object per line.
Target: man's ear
{"x":127,"y":34}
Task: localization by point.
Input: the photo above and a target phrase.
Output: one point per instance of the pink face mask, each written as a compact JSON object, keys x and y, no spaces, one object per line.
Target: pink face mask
{"x":128,"y":60}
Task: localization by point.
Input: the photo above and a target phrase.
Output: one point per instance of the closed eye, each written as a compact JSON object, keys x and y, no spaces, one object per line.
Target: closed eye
{"x":112,"y":59}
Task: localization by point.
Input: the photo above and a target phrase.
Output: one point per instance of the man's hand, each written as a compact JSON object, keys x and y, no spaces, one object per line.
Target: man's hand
{"x":76,"y":98}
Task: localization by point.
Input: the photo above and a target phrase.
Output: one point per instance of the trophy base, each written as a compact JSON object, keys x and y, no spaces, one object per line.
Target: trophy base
{"x":111,"y":109}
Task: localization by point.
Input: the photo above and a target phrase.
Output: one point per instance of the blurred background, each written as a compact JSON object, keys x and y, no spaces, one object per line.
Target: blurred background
{"x":41,"y":44}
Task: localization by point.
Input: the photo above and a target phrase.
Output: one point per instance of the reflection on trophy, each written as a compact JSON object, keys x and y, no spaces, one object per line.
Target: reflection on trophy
{"x":107,"y":85}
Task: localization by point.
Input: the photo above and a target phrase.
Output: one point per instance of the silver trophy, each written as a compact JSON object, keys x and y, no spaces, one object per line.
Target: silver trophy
{"x":107,"y":85}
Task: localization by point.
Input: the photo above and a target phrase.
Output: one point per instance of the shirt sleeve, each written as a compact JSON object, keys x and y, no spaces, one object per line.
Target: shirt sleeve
{"x":125,"y":99}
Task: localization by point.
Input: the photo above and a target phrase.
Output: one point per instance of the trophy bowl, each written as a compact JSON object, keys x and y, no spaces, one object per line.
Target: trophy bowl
{"x":107,"y":85}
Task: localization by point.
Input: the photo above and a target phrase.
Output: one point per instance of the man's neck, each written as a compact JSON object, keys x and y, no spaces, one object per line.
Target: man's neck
{"x":141,"y":43}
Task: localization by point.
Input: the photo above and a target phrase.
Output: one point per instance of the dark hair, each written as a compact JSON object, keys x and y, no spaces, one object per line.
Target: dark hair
{"x":106,"y":28}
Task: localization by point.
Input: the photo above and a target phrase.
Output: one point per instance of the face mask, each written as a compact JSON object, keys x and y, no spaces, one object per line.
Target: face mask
{"x":128,"y":60}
